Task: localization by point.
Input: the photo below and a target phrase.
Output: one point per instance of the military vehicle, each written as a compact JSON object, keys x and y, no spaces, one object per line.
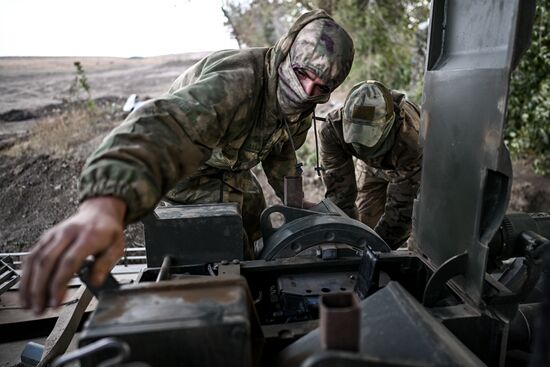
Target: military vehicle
{"x":326,"y":290}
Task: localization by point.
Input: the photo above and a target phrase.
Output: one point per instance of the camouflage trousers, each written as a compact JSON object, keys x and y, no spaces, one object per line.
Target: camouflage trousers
{"x":377,"y":198}
{"x":218,"y":186}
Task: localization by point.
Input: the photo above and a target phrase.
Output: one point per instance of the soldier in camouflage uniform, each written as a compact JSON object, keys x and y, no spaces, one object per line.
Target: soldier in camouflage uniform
{"x":196,"y":144}
{"x":379,"y":127}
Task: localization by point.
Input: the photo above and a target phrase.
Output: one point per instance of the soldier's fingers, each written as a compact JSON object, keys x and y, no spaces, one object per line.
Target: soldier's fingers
{"x":44,"y":240}
{"x":27,"y":273}
{"x":87,"y":243}
{"x":44,"y":262}
{"x":107,"y":260}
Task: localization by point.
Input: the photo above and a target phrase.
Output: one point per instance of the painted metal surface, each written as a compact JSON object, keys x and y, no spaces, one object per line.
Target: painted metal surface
{"x":396,"y":330}
{"x":192,"y":234}
{"x":466,"y":174}
{"x":179,"y":320}
{"x":305,"y":229}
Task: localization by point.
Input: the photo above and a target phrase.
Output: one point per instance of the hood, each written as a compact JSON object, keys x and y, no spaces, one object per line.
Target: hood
{"x":333,"y":75}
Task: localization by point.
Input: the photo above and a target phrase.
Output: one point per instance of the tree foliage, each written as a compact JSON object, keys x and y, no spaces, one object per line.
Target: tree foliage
{"x":390,"y":41}
{"x":385,"y":32}
{"x":259,"y":23}
{"x":528,"y":129}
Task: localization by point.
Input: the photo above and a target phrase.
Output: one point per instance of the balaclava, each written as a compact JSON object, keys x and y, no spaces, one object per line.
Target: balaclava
{"x":322,"y":47}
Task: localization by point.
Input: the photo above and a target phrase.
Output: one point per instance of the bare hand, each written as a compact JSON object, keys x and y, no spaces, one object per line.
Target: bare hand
{"x":96,"y":229}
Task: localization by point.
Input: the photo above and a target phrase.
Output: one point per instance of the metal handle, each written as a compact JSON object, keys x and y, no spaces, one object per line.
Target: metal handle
{"x":84,"y":275}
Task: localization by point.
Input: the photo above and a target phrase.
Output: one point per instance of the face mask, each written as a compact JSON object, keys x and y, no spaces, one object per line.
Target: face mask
{"x":293,"y":100}
{"x":325,"y":49}
{"x":321,"y":47}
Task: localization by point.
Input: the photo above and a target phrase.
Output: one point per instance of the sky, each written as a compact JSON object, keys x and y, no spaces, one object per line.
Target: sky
{"x":122,"y":28}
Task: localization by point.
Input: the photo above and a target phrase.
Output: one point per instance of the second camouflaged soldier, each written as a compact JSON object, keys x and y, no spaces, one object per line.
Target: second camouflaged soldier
{"x":380,"y":128}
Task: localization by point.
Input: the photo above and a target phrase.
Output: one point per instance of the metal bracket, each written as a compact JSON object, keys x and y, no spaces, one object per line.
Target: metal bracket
{"x":308,"y":232}
{"x":227,"y":268}
{"x":456,"y":265}
{"x":290,"y":214}
{"x":65,"y":327}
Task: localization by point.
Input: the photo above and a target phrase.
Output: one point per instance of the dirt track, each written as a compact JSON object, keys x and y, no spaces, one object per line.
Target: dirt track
{"x":32,"y":82}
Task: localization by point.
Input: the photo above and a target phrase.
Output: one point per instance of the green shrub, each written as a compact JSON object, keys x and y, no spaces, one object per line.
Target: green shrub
{"x":528,"y":124}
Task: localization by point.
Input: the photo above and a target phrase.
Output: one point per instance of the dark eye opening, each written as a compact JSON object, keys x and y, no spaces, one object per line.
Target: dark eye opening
{"x":324,"y":89}
{"x":301,"y":73}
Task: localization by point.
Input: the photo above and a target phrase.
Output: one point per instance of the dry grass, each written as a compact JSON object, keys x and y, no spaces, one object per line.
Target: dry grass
{"x":74,"y":131}
{"x":55,"y":135}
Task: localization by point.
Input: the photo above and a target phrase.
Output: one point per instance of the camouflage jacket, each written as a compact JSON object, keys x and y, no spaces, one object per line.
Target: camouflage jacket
{"x":221,"y":114}
{"x":401,"y":166}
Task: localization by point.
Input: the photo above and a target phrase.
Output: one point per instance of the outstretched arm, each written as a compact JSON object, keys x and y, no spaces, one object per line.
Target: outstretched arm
{"x":160,"y":143}
{"x":96,"y":229}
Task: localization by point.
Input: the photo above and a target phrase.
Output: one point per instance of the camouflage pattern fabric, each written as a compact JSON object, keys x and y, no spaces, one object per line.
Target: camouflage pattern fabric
{"x":383,"y":196}
{"x":323,"y":48}
{"x":218,"y":120}
{"x":368,"y":117}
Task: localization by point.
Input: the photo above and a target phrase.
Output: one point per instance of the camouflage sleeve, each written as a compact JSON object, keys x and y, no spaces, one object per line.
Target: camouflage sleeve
{"x":395,"y":224}
{"x":339,"y":171}
{"x":165,"y":140}
{"x":282,"y":161}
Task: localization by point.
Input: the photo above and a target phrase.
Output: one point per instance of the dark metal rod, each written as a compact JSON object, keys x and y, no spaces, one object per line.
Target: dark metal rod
{"x":5,"y":276}
{"x":318,"y":167}
{"x":293,"y":191}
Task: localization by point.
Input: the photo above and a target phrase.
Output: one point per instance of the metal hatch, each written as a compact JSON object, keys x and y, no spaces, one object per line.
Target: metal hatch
{"x":466,"y":175}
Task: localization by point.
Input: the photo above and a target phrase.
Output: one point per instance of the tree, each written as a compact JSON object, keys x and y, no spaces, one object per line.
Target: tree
{"x":390,"y":42}
{"x":385,"y":33}
{"x":528,"y":128}
{"x":259,"y":23}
